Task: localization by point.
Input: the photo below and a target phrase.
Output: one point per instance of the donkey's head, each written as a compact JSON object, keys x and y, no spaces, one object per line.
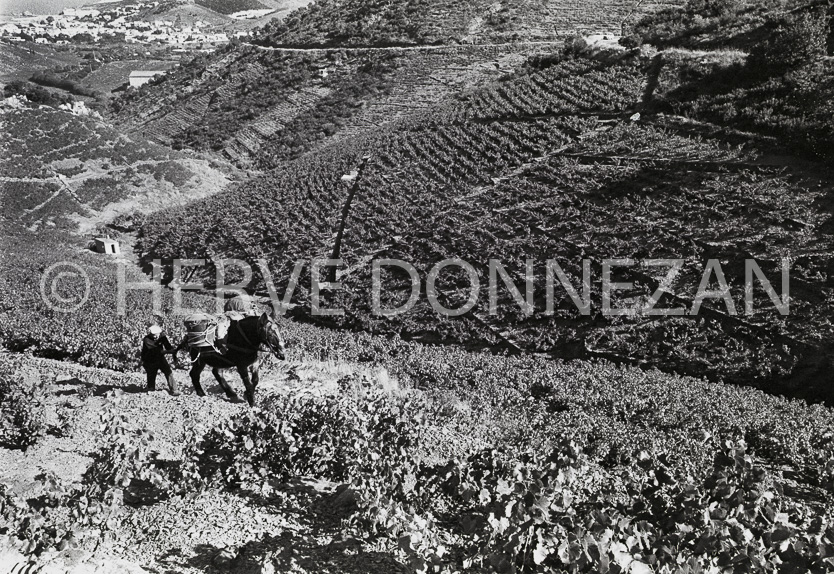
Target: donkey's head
{"x":270,"y":335}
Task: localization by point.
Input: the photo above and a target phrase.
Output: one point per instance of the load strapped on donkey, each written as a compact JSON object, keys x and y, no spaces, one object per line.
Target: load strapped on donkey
{"x":234,"y":341}
{"x":201,"y":331}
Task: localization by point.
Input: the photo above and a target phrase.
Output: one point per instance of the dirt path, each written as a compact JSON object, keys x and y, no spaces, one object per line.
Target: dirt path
{"x":297,"y":528}
{"x":423,"y":48}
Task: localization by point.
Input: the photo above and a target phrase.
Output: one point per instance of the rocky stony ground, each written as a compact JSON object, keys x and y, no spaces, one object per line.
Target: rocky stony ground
{"x":294,"y":527}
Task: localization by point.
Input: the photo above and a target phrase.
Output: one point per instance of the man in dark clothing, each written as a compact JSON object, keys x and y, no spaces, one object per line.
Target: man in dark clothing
{"x":155,"y":346}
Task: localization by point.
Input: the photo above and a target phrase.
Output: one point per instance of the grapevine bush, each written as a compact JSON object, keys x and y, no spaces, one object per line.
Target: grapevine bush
{"x":552,"y":508}
{"x":22,"y":405}
{"x":64,"y":516}
{"x":328,"y":437}
{"x":546,"y":514}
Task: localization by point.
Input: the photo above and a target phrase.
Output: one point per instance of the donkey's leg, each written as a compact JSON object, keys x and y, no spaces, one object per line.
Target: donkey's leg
{"x":195,"y":371}
{"x":224,"y":384}
{"x":255,"y":371}
{"x":249,"y":384}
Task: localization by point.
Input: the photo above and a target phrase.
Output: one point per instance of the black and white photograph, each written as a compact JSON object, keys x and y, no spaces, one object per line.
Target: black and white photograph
{"x":416,"y":286}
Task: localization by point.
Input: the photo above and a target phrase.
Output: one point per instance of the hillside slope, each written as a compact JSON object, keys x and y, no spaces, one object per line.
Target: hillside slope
{"x":770,"y":71}
{"x":86,"y":172}
{"x":66,"y":178}
{"x":260,"y":106}
{"x":449,"y":182}
{"x":357,"y":22}
{"x":384,"y":443}
{"x":19,"y":63}
{"x":277,"y":97}
{"x":719,"y":165}
{"x":199,"y":484}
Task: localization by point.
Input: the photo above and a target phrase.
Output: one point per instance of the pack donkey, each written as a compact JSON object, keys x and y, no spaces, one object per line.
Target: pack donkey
{"x":241,"y":351}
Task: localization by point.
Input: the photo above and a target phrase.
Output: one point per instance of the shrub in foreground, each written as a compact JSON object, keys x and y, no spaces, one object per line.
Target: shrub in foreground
{"x":333,"y":437}
{"x":551,"y":514}
{"x":22,"y":396}
{"x":62,"y":516}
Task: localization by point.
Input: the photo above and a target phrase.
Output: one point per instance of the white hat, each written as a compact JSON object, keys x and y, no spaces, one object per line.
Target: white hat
{"x":154,"y":329}
{"x":234,"y":315}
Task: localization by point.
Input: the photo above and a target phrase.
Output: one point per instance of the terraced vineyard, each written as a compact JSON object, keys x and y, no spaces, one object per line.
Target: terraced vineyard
{"x":370,"y":450}
{"x":598,"y":453}
{"x":247,"y":142}
{"x":461,"y":21}
{"x":63,"y":177}
{"x":409,"y":183}
{"x":231,"y":101}
{"x":428,"y":78}
{"x":234,"y":101}
{"x":254,"y":120}
{"x":572,"y":88}
{"x":573,"y":439}
{"x":528,"y":169}
{"x":414,"y":162}
{"x":641,"y":209}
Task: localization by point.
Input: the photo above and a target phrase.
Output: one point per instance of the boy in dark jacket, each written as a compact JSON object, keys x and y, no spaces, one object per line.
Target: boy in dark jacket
{"x":155,"y":346}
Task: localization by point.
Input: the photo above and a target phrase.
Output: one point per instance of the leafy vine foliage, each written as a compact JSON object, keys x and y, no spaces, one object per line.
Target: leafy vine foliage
{"x":548,"y":494}
{"x":780,"y":86}
{"x":64,"y":516}
{"x":542,"y":514}
{"x":566,"y":504}
{"x":327,"y":437}
{"x":22,"y":394}
{"x":447,"y":182}
{"x":499,"y":510}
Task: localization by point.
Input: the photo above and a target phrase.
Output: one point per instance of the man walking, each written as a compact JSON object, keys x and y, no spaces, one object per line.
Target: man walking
{"x":155,"y":346}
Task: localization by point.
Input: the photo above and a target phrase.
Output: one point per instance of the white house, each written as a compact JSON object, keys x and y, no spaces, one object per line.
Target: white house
{"x":107,"y":245}
{"x":139,"y":77}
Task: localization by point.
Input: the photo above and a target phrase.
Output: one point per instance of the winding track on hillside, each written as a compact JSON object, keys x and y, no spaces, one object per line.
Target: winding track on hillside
{"x":421,"y":47}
